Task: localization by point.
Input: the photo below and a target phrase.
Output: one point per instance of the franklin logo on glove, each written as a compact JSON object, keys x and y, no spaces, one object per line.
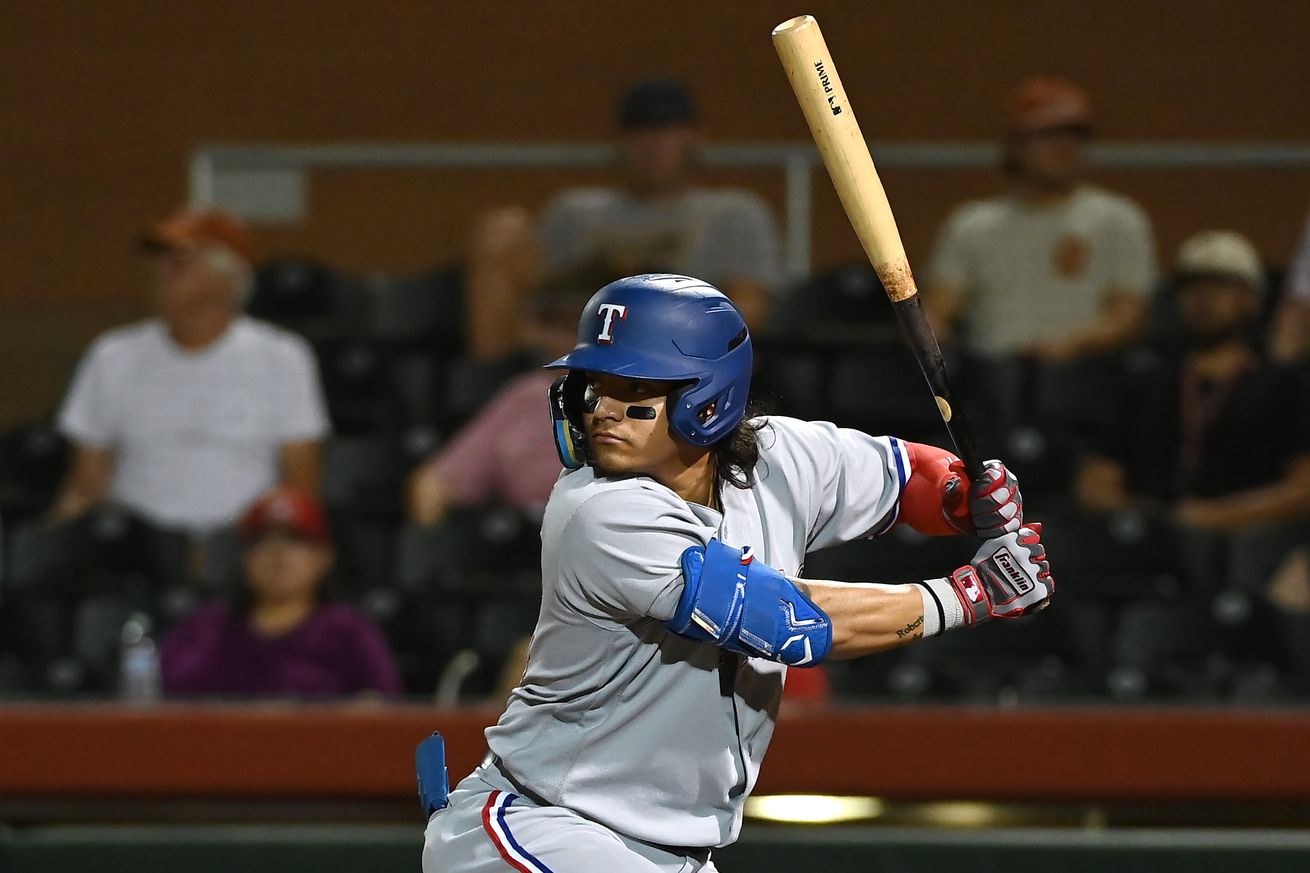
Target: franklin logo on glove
{"x":1022,"y":584}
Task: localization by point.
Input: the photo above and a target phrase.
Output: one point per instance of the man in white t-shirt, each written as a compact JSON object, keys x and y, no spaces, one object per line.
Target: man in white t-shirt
{"x":1055,"y":268}
{"x":188,"y":417}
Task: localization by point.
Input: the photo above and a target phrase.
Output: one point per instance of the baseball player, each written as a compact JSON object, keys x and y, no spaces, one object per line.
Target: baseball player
{"x":671,"y":605}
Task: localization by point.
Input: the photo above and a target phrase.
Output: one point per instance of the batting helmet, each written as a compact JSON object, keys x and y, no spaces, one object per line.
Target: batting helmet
{"x":665,"y":328}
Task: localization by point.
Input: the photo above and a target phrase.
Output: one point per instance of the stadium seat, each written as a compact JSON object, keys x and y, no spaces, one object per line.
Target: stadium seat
{"x":843,"y":299}
{"x":307,"y":296}
{"x":33,"y":463}
{"x":878,"y":387}
{"x":362,"y":475}
{"x":424,"y":309}
{"x":471,"y":551}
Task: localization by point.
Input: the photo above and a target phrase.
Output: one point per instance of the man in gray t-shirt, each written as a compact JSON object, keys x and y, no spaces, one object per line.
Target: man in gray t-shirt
{"x":671,"y":608}
{"x":660,"y":220}
{"x":657,"y":219}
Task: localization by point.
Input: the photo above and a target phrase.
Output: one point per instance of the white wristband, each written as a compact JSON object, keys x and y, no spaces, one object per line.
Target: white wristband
{"x":942,"y":610}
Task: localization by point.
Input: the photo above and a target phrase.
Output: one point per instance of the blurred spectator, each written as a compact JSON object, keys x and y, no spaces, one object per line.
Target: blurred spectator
{"x":187,"y":417}
{"x":1291,"y":330}
{"x":506,"y":454}
{"x":1214,"y":432}
{"x":280,"y":637}
{"x":1214,"y":437}
{"x":1055,"y":268}
{"x":659,"y":221}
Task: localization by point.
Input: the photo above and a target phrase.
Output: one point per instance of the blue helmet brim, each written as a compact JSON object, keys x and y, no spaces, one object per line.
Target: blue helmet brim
{"x":600,"y":359}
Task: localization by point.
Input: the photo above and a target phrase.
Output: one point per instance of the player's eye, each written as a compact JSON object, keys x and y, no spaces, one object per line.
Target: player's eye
{"x":643,"y":390}
{"x":590,"y":398}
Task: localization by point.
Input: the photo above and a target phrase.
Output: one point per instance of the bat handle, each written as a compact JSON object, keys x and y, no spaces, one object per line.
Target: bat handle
{"x":964,"y":445}
{"x":918,"y":332}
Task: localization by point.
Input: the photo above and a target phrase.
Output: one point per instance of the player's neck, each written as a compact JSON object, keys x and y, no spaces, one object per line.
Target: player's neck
{"x":695,"y":483}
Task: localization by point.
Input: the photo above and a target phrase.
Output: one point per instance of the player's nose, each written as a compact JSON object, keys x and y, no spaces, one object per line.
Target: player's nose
{"x":608,"y":409}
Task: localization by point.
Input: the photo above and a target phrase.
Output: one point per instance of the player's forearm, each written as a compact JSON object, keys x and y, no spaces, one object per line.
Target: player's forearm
{"x":868,"y":617}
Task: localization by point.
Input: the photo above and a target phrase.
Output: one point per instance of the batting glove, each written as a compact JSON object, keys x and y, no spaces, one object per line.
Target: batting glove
{"x":1007,"y":578}
{"x":995,"y":505}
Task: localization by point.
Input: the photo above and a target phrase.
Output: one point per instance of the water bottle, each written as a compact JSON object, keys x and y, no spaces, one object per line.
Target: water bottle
{"x":138,"y":667}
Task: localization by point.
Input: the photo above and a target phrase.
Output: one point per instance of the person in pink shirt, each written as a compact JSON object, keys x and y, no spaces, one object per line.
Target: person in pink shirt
{"x":506,"y":454}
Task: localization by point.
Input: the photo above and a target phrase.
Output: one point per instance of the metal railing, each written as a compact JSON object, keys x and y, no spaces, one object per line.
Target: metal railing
{"x":796,"y":161}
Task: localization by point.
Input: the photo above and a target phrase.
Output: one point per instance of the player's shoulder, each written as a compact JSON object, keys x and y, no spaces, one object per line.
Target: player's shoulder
{"x":787,"y":444}
{"x":781,"y":433}
{"x":585,"y":502}
{"x":583,"y":492}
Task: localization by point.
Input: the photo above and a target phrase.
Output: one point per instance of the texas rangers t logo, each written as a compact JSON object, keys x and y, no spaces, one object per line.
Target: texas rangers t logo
{"x":607,"y":313}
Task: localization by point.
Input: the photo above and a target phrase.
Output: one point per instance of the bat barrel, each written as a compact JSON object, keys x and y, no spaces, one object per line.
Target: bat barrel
{"x":831,"y":118}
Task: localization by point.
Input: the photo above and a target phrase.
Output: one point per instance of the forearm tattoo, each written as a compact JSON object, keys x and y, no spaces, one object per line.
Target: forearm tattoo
{"x":914,"y":629}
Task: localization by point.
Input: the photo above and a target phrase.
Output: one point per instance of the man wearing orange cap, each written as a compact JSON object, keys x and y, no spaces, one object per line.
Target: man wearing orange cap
{"x":187,"y":417}
{"x":1054,"y":268}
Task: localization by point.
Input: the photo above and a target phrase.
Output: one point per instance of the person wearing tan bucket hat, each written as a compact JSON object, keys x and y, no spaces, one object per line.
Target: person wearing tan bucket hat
{"x":185,"y":418}
{"x":1214,"y":440}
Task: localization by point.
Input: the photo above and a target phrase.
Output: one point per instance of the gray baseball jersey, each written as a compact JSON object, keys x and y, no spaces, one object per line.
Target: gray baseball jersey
{"x":655,"y":736}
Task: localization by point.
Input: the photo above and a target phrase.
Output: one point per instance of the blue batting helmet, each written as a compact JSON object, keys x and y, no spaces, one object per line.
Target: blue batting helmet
{"x":667,"y":328}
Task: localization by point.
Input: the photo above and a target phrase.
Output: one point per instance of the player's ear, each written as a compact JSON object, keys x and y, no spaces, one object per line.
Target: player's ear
{"x":706,"y":413}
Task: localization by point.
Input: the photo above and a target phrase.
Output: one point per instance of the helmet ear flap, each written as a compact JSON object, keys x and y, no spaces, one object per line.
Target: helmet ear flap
{"x":693,"y":409}
{"x":566,"y":419}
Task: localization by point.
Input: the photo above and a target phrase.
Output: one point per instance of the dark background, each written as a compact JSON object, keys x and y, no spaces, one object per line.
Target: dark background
{"x":103,"y":104}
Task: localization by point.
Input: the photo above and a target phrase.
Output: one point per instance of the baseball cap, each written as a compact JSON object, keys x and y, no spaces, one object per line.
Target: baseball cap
{"x":188,"y":229}
{"x":1044,"y":102}
{"x":292,"y":510}
{"x":656,"y":103}
{"x":1223,"y":254}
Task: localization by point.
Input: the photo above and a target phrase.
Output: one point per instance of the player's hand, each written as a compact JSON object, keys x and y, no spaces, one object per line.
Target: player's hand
{"x":994,"y":503}
{"x":1009,"y":577}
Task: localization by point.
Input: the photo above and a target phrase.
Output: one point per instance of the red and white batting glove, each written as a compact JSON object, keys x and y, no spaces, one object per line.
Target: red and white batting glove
{"x":1008,"y":577}
{"x":995,"y":505}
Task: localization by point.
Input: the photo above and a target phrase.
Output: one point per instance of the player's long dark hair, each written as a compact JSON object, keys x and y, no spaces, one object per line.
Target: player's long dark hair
{"x":736,"y":455}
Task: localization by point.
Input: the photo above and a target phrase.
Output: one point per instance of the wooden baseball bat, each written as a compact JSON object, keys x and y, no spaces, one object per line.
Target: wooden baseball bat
{"x":813,"y":77}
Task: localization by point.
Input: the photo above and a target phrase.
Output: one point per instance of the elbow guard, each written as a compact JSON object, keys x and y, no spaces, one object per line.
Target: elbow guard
{"x":747,"y":607}
{"x":933,"y":501}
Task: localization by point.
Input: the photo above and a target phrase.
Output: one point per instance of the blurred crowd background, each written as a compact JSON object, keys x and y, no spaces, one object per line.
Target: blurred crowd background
{"x":251,"y":457}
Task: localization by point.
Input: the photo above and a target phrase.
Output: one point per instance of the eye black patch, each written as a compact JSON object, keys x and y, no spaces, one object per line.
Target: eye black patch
{"x":643,"y":412}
